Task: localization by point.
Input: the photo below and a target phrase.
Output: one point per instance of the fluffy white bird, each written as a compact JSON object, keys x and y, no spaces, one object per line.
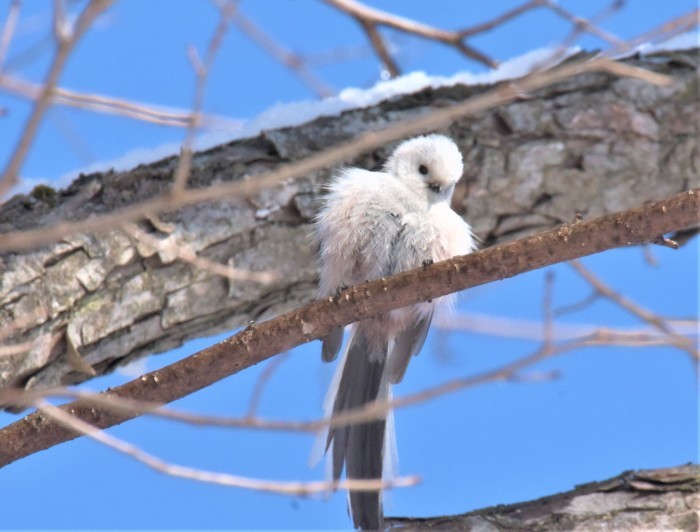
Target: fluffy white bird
{"x":375,"y":224}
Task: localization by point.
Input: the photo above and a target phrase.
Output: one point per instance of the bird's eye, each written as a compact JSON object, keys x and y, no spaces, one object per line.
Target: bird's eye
{"x":423,"y":169}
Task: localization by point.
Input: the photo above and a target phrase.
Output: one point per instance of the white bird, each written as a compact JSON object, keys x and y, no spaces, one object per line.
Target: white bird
{"x":372,"y":225}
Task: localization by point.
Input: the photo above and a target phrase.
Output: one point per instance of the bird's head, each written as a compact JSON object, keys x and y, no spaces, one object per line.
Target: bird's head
{"x":431,"y":165}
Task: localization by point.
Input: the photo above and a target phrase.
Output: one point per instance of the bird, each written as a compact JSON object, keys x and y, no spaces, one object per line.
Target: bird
{"x":373,"y":224}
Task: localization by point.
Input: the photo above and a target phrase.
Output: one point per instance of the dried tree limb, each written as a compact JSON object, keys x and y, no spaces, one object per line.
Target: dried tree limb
{"x":294,"y":488}
{"x":672,"y":27}
{"x":636,"y":310}
{"x":583,"y":25}
{"x":8,"y":30}
{"x":509,"y":327}
{"x":259,"y":342}
{"x":369,"y":18}
{"x":295,"y":62}
{"x":202,"y":68}
{"x":65,"y":44}
{"x":591,"y":144}
{"x":109,"y":105}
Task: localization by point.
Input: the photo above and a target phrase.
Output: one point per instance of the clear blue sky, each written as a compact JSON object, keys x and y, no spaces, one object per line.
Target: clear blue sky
{"x":609,"y":410}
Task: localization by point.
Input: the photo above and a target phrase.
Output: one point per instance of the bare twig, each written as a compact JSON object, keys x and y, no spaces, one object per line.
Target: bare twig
{"x":380,"y":47}
{"x":579,"y":305}
{"x":500,"y":19}
{"x":580,"y":24}
{"x":509,"y":327}
{"x":222,"y":479}
{"x":634,"y":309}
{"x":333,"y":156}
{"x":65,"y":45}
{"x":369,"y":18}
{"x":315,"y":320}
{"x":201,"y":69}
{"x":295,"y":62}
{"x":110,"y":105}
{"x":8,"y":30}
{"x":547,"y":313}
{"x":663,"y":32}
{"x":264,"y":378}
{"x":577,"y":29}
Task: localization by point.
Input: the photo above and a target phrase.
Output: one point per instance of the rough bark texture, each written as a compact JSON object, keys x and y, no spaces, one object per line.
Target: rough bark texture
{"x":254,"y":344}
{"x":594,"y":144}
{"x":660,"y":499}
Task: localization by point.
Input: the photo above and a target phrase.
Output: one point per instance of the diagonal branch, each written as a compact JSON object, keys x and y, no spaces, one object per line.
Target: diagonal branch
{"x":260,"y":342}
{"x":66,"y":43}
{"x":334,"y":156}
{"x":8,"y":30}
{"x":369,"y":18}
{"x":110,"y":105}
{"x":295,"y":62}
{"x":202,"y":68}
{"x":294,"y":488}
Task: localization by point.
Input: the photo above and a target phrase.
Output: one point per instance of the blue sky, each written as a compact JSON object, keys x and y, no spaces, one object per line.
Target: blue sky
{"x":611,"y":409}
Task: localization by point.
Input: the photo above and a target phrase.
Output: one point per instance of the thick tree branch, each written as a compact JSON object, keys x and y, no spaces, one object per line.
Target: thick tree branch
{"x":592,"y":144}
{"x":655,"y":499}
{"x":259,"y":342}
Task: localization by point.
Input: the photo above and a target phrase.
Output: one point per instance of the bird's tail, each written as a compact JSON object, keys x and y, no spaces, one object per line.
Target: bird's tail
{"x":360,"y":447}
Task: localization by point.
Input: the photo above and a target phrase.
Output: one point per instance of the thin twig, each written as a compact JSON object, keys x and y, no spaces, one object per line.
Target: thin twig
{"x":508,"y":327}
{"x":8,"y":30}
{"x":547,"y":313}
{"x":581,"y":24}
{"x":663,"y":32}
{"x":635,"y":309}
{"x":117,"y":106}
{"x":295,"y":62}
{"x":222,"y":479}
{"x":579,"y":305}
{"x":369,"y":18}
{"x":65,"y":45}
{"x":202,"y":70}
{"x":500,"y":19}
{"x":265,"y":377}
{"x":380,"y":47}
{"x":562,"y":48}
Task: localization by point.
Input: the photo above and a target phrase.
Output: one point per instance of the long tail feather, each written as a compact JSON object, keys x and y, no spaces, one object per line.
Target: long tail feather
{"x":360,"y":447}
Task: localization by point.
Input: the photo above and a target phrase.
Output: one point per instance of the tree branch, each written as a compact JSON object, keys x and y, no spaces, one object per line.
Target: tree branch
{"x":259,"y":342}
{"x":580,"y":145}
{"x":66,"y":41}
{"x":655,"y":499}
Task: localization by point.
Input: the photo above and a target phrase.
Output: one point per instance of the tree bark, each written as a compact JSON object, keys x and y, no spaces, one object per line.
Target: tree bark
{"x":593,"y":145}
{"x":656,"y":499}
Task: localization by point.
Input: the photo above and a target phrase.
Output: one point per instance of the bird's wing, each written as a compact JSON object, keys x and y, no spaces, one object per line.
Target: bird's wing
{"x":408,"y":343}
